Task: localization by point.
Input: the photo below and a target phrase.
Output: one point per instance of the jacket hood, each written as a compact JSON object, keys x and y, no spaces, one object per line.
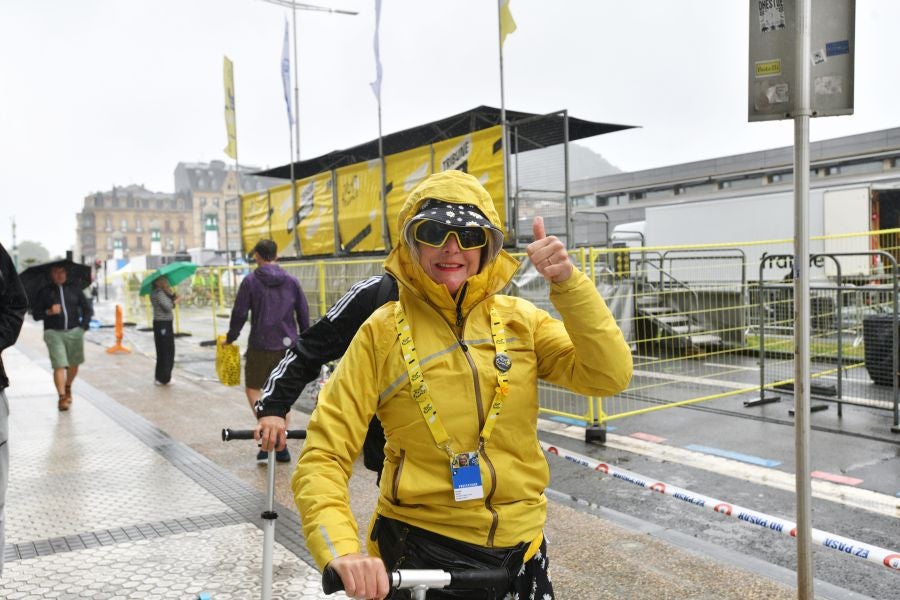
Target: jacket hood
{"x":271,"y":275}
{"x":498,"y":267}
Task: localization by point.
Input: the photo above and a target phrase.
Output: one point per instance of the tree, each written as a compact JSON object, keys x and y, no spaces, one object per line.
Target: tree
{"x":31,"y":253}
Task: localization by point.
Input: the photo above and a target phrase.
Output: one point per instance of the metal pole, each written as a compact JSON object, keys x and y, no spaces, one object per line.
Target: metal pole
{"x":801,"y":303}
{"x":385,"y":222}
{"x":296,"y":89}
{"x":511,"y":225}
{"x":570,"y":226}
{"x":269,"y":516}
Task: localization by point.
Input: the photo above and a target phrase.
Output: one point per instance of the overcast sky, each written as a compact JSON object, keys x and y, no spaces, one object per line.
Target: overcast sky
{"x":96,"y":93}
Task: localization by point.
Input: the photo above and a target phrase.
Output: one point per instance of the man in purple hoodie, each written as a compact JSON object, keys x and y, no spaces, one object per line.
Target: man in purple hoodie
{"x":278,"y":313}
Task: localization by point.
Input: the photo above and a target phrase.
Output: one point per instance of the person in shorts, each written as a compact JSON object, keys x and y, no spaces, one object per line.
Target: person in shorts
{"x":278,"y":312}
{"x":66,"y":313}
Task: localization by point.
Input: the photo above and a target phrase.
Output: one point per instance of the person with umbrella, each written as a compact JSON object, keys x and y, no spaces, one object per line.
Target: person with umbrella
{"x":163,"y":299}
{"x":66,"y":312}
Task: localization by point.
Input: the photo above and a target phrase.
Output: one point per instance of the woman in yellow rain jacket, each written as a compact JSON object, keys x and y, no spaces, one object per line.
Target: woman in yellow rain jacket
{"x":451,"y":369}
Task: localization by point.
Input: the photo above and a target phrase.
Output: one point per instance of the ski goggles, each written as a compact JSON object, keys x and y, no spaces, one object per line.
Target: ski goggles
{"x":434,"y":234}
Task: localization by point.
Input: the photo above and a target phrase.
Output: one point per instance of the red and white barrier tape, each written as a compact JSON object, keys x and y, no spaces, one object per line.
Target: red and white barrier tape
{"x":881,"y":556}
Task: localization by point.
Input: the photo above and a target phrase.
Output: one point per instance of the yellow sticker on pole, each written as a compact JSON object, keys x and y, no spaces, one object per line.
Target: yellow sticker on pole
{"x":768,"y":68}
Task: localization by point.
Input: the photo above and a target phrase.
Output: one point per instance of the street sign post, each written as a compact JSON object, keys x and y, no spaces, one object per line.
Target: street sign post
{"x":772,"y":90}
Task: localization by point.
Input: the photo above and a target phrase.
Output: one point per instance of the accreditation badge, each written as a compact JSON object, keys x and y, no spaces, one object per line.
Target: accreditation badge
{"x":466,"y":476}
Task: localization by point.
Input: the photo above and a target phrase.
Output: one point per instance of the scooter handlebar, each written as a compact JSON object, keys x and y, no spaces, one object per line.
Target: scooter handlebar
{"x":466,"y":579}
{"x":247,"y":434}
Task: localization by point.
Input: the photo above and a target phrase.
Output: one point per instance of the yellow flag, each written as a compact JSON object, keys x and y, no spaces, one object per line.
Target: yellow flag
{"x":230,"y":126}
{"x":507,"y":24}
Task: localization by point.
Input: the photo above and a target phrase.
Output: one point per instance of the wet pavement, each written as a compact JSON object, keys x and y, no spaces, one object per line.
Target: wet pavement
{"x":132,"y":494}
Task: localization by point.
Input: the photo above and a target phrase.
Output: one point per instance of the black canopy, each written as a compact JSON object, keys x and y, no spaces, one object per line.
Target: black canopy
{"x":532,"y":132}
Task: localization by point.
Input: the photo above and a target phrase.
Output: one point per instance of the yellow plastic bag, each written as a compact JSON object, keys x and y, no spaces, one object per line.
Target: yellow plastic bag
{"x":228,"y":362}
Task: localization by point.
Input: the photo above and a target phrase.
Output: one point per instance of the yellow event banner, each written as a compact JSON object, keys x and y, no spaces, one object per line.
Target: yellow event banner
{"x":281,"y":222}
{"x":479,"y":154}
{"x":403,"y":172}
{"x":360,"y":225}
{"x":316,"y":215}
{"x":360,"y":222}
{"x":254,"y":218}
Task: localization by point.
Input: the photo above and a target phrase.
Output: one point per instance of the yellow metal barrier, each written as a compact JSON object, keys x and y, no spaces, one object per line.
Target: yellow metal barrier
{"x":693,"y":315}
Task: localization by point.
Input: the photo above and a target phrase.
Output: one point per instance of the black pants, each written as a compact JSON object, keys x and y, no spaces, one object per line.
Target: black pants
{"x":164,"y":339}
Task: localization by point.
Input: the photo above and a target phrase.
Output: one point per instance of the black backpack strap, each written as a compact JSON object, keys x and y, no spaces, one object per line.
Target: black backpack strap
{"x":387,"y":290}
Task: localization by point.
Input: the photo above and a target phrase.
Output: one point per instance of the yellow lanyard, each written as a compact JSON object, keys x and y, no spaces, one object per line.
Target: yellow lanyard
{"x":419,"y":389}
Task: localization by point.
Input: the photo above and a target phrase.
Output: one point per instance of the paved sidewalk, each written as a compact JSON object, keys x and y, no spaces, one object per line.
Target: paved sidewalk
{"x":132,"y":494}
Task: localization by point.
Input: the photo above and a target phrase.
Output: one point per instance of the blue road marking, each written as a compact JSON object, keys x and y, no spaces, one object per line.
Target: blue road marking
{"x":753,"y":460}
{"x":579,"y":422}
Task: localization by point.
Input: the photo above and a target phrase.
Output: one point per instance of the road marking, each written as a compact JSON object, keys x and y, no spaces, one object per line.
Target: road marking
{"x":862,"y":499}
{"x":747,"y":458}
{"x":748,"y":387}
{"x":648,"y":437}
{"x":836,"y":478}
{"x":732,"y":367}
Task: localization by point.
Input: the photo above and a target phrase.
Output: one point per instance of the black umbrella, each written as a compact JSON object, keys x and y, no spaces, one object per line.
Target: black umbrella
{"x":37,"y":277}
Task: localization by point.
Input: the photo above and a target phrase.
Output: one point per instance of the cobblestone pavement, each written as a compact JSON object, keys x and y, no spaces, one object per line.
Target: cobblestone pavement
{"x":132,"y":494}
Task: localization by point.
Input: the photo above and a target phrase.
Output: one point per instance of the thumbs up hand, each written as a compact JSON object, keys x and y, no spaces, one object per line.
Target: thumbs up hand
{"x":548,"y":254}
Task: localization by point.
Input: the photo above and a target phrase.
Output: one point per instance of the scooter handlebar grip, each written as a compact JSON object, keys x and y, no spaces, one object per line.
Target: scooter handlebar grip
{"x":479,"y":579}
{"x":331,"y":581}
{"x":236,"y":434}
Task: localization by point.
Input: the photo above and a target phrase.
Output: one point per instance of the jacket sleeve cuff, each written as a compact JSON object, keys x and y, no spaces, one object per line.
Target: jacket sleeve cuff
{"x":271,"y":411}
{"x":574,"y":280}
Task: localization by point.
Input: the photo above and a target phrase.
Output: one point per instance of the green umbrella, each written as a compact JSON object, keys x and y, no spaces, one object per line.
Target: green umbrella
{"x":175,"y":272}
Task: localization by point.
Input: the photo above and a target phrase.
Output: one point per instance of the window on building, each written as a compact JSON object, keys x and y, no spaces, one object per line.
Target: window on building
{"x":138,"y":226}
{"x":862,"y":168}
{"x":167,"y":227}
{"x":601,"y":200}
{"x":130,"y":202}
{"x":109,"y":226}
{"x":109,"y":243}
{"x":181,"y":228}
{"x":139,"y":242}
{"x":724,"y":185}
{"x":638,"y":195}
{"x":774,"y":178}
{"x":123,"y":225}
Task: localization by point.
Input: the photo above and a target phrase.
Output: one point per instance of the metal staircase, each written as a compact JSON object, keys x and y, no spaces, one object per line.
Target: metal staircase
{"x":668,"y":316}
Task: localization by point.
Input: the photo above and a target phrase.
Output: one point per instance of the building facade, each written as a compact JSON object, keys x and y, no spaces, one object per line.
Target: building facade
{"x":214,"y":190}
{"x":126,"y":218}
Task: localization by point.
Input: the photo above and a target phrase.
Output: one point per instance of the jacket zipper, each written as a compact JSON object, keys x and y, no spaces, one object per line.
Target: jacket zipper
{"x":495,"y":518}
{"x":62,"y":302}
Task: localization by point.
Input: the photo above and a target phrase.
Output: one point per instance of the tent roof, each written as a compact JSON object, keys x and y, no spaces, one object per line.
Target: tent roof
{"x":535,"y":131}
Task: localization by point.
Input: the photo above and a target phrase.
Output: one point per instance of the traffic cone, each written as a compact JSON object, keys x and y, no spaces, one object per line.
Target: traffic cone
{"x":118,"y":348}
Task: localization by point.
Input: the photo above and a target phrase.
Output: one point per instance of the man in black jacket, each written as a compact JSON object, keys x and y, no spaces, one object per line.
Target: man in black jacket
{"x":325,"y":341}
{"x":13,"y":305}
{"x":66,"y":313}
